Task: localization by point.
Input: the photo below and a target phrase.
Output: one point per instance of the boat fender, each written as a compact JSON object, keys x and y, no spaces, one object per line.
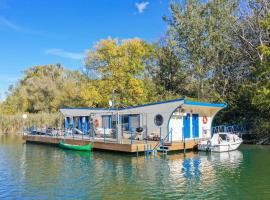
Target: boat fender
{"x":96,"y":123}
{"x":205,"y":120}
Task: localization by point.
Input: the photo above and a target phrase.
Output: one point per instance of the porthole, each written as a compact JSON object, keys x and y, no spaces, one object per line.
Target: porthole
{"x":158,"y":120}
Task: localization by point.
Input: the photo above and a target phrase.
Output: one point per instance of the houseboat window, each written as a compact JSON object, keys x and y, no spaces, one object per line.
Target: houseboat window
{"x":158,"y":120}
{"x":130,"y":122}
{"x":125,"y":122}
{"x":106,"y":121}
{"x":134,"y":122}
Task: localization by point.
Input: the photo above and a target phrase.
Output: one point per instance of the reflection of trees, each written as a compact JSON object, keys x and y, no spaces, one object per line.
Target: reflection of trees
{"x":48,"y":172}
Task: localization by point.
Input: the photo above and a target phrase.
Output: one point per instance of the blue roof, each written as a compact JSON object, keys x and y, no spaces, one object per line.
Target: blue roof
{"x":195,"y":103}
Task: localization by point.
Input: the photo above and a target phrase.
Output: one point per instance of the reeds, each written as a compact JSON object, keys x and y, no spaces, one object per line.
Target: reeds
{"x":15,"y":123}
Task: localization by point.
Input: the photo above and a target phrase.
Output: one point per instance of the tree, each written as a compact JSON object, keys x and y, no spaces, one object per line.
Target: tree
{"x":44,"y":89}
{"x":168,"y":72}
{"x":201,"y":33}
{"x":119,"y":66}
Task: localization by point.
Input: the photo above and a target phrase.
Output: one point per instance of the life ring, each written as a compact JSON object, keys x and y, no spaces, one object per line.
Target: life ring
{"x":96,"y":123}
{"x":205,"y":120}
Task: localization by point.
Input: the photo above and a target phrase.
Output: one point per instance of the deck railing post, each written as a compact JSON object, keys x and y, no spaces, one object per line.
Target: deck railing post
{"x":104,"y":135}
{"x":160,"y":133}
{"x":131,"y":135}
{"x":82,"y":133}
{"x":162,"y":143}
{"x":146,"y":135}
{"x":147,"y":150}
{"x":93,"y":133}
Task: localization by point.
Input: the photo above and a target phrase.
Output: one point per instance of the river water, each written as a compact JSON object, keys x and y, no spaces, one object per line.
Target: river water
{"x":31,"y":171}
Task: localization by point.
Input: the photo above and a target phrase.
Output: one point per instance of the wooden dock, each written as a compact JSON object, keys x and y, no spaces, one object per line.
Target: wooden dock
{"x":122,"y":146}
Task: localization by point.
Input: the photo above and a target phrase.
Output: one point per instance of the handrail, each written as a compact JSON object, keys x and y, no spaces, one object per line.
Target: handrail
{"x":228,"y":129}
{"x":162,"y":140}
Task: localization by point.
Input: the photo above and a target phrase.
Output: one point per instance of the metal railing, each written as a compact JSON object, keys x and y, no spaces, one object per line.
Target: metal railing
{"x":239,"y":129}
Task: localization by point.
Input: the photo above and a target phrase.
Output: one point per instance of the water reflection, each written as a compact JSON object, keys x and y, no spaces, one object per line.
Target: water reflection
{"x":33,"y":171}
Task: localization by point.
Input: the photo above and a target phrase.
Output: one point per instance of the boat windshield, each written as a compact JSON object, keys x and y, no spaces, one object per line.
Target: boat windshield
{"x":223,"y":136}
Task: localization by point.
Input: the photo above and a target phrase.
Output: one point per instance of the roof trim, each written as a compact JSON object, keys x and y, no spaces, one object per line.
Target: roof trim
{"x":197,"y":103}
{"x":130,"y":107}
{"x":186,"y":102}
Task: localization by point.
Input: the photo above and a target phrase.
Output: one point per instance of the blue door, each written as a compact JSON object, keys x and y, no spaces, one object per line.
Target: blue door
{"x":80,"y":121}
{"x":67,"y":122}
{"x":186,"y":122}
{"x":195,"y":125}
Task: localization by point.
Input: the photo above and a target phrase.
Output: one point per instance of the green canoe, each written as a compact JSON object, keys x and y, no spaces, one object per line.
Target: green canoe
{"x":87,"y":147}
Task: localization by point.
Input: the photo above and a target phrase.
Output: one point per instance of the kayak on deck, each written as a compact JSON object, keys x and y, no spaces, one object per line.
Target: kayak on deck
{"x":63,"y":145}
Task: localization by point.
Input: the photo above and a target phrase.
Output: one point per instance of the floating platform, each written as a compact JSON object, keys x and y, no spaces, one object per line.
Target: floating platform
{"x":121,"y":146}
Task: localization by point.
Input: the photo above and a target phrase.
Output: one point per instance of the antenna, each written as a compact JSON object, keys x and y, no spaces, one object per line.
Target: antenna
{"x":113,"y":98}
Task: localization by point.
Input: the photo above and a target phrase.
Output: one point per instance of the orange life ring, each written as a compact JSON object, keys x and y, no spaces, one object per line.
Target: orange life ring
{"x":96,"y":123}
{"x":205,"y":120}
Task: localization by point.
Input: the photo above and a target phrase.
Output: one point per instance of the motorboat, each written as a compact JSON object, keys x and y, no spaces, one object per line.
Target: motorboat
{"x":221,"y":142}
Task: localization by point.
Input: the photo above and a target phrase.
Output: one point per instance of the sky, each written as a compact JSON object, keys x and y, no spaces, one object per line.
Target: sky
{"x":36,"y":32}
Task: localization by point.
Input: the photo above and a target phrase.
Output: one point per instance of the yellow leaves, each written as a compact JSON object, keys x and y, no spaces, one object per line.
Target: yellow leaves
{"x":90,"y":95}
{"x":120,"y":66}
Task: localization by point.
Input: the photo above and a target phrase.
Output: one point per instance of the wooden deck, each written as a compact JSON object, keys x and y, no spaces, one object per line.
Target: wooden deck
{"x":123,"y":146}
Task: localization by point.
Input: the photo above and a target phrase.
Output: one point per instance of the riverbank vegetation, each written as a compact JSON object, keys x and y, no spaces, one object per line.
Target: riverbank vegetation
{"x":216,"y":51}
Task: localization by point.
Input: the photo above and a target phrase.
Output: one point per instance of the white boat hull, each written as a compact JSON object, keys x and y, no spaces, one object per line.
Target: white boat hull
{"x":222,"y":146}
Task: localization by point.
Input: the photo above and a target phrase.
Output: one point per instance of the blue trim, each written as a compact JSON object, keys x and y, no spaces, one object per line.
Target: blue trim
{"x":86,"y":127}
{"x":110,"y":121}
{"x":168,"y":123}
{"x":196,"y":103}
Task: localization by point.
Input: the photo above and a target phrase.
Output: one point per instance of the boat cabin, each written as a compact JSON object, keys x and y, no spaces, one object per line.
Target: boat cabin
{"x":173,"y":120}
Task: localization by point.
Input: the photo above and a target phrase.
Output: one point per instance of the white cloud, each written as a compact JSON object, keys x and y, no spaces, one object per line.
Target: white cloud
{"x":141,"y":6}
{"x":7,"y":23}
{"x":65,"y":54}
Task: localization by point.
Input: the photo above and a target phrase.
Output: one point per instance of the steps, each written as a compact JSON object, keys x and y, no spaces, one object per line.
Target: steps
{"x":164,"y":149}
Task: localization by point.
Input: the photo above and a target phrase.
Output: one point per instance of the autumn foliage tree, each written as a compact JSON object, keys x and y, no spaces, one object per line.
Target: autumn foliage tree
{"x":118,"y":66}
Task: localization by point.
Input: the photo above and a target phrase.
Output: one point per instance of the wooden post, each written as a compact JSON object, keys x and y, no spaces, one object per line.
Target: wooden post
{"x":137,"y":152}
{"x":131,"y":139}
{"x":144,"y":149}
